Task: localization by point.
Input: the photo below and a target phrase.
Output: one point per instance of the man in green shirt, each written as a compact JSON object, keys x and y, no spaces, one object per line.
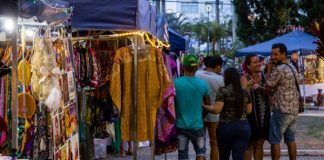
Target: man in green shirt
{"x":191,"y":92}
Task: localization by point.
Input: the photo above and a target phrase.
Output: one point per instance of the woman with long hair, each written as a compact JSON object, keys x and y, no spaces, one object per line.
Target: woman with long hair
{"x":259,"y":119}
{"x":234,"y":104}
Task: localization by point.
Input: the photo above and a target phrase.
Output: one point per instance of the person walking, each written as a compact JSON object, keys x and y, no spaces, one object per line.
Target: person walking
{"x":282,"y":83}
{"x":191,"y":92}
{"x":254,"y":81}
{"x":294,"y":59}
{"x":233,"y":103}
{"x":214,"y":80}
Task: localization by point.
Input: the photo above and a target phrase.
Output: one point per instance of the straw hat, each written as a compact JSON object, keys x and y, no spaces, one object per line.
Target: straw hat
{"x":24,"y":72}
{"x":26,"y":105}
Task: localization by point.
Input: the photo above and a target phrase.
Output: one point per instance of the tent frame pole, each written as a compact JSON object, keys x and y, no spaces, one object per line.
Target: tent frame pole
{"x":14,"y":88}
{"x":135,"y":145}
{"x":134,"y":117}
{"x":303,"y":71}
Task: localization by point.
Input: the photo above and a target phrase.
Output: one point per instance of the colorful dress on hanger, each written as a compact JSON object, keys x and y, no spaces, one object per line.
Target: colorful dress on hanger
{"x":165,"y":135}
{"x":152,"y":81}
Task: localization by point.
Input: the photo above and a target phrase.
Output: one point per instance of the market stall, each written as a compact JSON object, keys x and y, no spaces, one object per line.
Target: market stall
{"x":126,"y":39}
{"x":295,"y":41}
{"x":314,"y":79}
{"x":41,"y":112}
{"x":304,"y":44}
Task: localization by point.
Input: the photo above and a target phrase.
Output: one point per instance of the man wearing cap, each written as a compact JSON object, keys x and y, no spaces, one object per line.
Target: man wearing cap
{"x":191,"y":92}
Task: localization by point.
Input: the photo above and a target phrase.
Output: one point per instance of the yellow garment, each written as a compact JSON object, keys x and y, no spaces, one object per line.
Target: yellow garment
{"x":152,"y":81}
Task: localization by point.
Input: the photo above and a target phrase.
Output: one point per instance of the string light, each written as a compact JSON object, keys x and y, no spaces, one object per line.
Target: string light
{"x":142,"y":34}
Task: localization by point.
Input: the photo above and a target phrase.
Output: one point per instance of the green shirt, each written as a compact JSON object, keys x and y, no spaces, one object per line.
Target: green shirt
{"x":189,"y":99}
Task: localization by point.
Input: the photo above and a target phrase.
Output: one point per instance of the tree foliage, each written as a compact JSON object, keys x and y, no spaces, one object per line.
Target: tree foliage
{"x":216,"y":31}
{"x":259,"y":20}
{"x":179,"y":23}
{"x":310,"y":11}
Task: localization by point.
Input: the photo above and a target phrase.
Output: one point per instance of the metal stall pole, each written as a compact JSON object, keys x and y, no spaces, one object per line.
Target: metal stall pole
{"x":14,"y":89}
{"x":303,"y":75}
{"x":135,"y":144}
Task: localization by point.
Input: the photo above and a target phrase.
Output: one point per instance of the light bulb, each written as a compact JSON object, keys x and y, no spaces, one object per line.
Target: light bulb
{"x":9,"y":25}
{"x":30,"y":33}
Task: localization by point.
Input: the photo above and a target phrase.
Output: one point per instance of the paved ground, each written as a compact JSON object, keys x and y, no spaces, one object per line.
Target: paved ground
{"x":310,"y":141}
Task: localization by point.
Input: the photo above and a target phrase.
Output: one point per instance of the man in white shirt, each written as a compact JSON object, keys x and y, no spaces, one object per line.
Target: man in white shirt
{"x":214,"y":80}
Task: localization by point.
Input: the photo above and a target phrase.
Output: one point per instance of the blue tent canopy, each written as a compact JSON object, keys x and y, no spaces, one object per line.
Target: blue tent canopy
{"x":177,"y":42}
{"x":119,"y":15}
{"x":295,"y":40}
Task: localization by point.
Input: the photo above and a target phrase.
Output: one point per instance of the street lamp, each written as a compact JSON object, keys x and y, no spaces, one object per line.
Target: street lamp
{"x":169,"y":11}
{"x":177,"y":14}
{"x":208,"y":9}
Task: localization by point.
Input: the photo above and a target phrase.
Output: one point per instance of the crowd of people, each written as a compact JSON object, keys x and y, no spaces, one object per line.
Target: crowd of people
{"x":239,"y":111}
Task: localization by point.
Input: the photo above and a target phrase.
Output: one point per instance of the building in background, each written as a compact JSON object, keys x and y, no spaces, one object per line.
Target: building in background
{"x":194,"y":9}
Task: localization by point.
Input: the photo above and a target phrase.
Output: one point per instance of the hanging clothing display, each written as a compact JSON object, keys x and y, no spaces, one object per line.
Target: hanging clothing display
{"x":153,"y":79}
{"x":93,"y":61}
{"x":165,"y":135}
{"x":86,"y":66}
{"x":41,"y":145}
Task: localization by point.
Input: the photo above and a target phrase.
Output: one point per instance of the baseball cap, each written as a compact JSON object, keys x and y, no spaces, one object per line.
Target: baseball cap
{"x":190,"y":60}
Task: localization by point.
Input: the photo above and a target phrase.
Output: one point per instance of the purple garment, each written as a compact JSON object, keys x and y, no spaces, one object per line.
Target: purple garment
{"x":166,"y":118}
{"x":173,"y":65}
{"x":165,"y":135}
{"x":166,"y":124}
{"x":2,"y":97}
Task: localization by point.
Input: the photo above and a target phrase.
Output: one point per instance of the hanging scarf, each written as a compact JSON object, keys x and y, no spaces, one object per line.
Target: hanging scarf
{"x":2,"y":97}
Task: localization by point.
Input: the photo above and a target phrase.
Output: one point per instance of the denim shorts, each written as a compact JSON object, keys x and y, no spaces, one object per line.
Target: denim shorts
{"x":282,"y":124}
{"x":197,"y":138}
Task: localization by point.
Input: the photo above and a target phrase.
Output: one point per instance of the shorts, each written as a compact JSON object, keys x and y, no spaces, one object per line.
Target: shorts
{"x":282,"y":124}
{"x":197,"y":138}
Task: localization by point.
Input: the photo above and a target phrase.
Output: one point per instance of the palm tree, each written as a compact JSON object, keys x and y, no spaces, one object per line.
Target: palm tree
{"x":201,"y":29}
{"x":178,"y":22}
{"x":217,"y":32}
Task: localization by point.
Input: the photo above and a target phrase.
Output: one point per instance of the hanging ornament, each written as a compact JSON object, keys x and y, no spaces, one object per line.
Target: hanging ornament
{"x":26,"y":105}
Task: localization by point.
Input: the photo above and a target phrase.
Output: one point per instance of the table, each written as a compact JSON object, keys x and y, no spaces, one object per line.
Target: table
{"x":310,"y":89}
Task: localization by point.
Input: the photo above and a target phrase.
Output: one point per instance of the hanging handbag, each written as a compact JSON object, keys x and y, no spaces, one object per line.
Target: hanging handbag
{"x":301,"y":108}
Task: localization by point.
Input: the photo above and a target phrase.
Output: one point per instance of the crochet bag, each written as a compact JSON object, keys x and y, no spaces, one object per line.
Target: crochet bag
{"x":42,"y":64}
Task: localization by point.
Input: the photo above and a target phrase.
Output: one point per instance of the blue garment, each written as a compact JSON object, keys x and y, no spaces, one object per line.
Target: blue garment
{"x":233,"y":137}
{"x":189,"y":98}
{"x":282,"y":124}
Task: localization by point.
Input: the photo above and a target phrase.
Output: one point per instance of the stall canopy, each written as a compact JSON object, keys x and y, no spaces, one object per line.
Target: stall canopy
{"x":8,"y":8}
{"x":295,"y":40}
{"x":177,"y":42}
{"x":162,"y":32}
{"x":123,"y":15}
{"x":52,"y":11}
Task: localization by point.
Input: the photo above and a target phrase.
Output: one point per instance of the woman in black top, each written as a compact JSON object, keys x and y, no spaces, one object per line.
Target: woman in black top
{"x":234,"y":104}
{"x":259,"y":119}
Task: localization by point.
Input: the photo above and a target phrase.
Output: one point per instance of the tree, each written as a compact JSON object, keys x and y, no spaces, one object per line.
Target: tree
{"x":217,"y":32}
{"x":179,"y":23}
{"x":260,"y":20}
{"x":201,"y":29}
{"x":311,"y":10}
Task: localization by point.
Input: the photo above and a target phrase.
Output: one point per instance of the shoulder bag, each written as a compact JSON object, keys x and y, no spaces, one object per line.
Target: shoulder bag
{"x":301,"y":103}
